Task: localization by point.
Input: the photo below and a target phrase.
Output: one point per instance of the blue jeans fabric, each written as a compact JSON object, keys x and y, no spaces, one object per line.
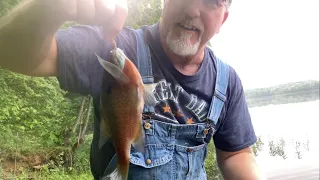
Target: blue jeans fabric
{"x":172,"y":152}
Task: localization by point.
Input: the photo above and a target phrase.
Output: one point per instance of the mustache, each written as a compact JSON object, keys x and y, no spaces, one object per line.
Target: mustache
{"x":194,"y":23}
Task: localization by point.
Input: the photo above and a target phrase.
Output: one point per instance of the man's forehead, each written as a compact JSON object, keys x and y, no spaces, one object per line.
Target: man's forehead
{"x":228,"y":1}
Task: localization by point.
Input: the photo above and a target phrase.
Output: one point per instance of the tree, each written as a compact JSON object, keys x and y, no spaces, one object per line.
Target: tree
{"x":6,"y":5}
{"x":143,"y":12}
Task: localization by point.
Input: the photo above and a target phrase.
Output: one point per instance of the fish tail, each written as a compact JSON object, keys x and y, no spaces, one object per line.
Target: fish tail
{"x":123,"y":158}
{"x":121,"y":172}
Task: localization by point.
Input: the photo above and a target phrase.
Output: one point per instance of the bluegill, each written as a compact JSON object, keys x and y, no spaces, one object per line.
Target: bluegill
{"x":123,"y":95}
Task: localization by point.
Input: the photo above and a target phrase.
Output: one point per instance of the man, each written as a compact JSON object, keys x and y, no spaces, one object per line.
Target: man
{"x":183,"y":67}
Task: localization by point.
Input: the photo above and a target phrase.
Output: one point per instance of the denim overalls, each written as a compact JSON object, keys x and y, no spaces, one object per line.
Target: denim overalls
{"x":173,"y":151}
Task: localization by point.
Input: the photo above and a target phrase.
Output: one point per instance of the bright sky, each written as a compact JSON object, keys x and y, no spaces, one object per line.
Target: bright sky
{"x":278,"y":39}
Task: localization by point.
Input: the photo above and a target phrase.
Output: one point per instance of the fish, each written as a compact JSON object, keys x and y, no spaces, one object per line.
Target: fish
{"x":122,"y":98}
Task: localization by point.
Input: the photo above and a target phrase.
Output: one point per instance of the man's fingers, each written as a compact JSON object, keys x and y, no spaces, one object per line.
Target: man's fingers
{"x":122,"y":4}
{"x":111,"y":14}
{"x":104,"y":11}
{"x":116,"y":22}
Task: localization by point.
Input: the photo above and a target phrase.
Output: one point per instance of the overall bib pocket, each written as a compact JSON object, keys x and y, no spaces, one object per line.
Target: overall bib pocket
{"x":172,"y":152}
{"x":190,"y":162}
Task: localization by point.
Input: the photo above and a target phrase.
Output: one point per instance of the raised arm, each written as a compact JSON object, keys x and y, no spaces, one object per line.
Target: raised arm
{"x":27,"y":34}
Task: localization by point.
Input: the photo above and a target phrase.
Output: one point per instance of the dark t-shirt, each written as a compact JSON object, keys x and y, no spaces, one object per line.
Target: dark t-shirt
{"x":180,"y":98}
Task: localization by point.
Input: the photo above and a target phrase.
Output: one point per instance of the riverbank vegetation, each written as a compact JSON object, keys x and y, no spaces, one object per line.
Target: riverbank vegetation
{"x":293,"y":92}
{"x":46,"y":133}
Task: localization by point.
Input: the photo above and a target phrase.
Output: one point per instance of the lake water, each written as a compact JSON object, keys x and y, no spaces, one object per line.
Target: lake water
{"x":296,"y":121}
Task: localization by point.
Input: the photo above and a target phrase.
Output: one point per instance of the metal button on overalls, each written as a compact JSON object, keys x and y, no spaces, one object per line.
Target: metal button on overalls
{"x":147,"y":125}
{"x":206,"y":131}
{"x":148,"y":161}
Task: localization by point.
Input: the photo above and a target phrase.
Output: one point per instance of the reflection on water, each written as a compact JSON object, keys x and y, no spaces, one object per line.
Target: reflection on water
{"x":297,"y":124}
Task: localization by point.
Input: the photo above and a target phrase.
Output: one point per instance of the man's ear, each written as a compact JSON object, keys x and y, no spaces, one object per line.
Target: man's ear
{"x":226,"y":15}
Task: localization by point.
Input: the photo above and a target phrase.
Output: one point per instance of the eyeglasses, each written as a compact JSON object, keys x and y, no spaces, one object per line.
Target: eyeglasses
{"x":213,"y":4}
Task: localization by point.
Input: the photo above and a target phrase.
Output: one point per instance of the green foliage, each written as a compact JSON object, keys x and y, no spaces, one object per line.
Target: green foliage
{"x":258,"y":146}
{"x":295,"y":87}
{"x":34,"y":107}
{"x":143,"y":12}
{"x":140,"y":12}
{"x":211,"y":165}
{"x":68,"y":24}
{"x":35,"y":113}
{"x":52,"y":169}
{"x":282,"y":148}
{"x":82,"y":161}
{"x":298,"y":152}
{"x":6,"y":5}
{"x":47,"y":174}
{"x":285,"y":93}
{"x":277,"y":148}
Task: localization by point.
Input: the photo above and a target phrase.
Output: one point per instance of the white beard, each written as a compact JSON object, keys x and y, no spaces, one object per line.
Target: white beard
{"x":182,"y":46}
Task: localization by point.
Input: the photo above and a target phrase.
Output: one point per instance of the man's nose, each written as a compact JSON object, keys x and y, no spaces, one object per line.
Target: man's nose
{"x":192,"y":8}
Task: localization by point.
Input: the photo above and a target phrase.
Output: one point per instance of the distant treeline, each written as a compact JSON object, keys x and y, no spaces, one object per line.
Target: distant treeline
{"x":282,"y":94}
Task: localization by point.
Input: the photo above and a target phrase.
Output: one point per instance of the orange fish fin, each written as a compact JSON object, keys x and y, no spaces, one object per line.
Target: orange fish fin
{"x":113,"y":70}
{"x":148,"y":94}
{"x":138,"y":143}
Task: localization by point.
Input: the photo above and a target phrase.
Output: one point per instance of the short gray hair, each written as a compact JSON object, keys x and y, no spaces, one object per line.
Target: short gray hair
{"x":229,"y":3}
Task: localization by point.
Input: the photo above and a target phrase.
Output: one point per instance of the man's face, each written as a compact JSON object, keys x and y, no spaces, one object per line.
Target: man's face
{"x":190,"y":24}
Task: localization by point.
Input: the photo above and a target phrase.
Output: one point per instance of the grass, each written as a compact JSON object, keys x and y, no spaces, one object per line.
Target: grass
{"x":45,"y":174}
{"x":26,"y":162}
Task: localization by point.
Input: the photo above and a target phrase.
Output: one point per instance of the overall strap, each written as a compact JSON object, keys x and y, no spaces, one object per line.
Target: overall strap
{"x":144,"y":64}
{"x":219,"y":96}
{"x":144,"y":58}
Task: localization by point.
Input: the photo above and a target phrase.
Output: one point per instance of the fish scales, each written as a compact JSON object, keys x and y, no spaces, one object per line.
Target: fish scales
{"x":123,"y":96}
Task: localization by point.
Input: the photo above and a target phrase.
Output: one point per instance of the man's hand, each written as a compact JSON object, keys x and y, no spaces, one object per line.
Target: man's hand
{"x":27,"y":34}
{"x":239,"y":165}
{"x":110,"y":14}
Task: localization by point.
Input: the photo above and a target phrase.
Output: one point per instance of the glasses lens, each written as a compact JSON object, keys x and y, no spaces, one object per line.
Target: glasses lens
{"x":213,"y":3}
